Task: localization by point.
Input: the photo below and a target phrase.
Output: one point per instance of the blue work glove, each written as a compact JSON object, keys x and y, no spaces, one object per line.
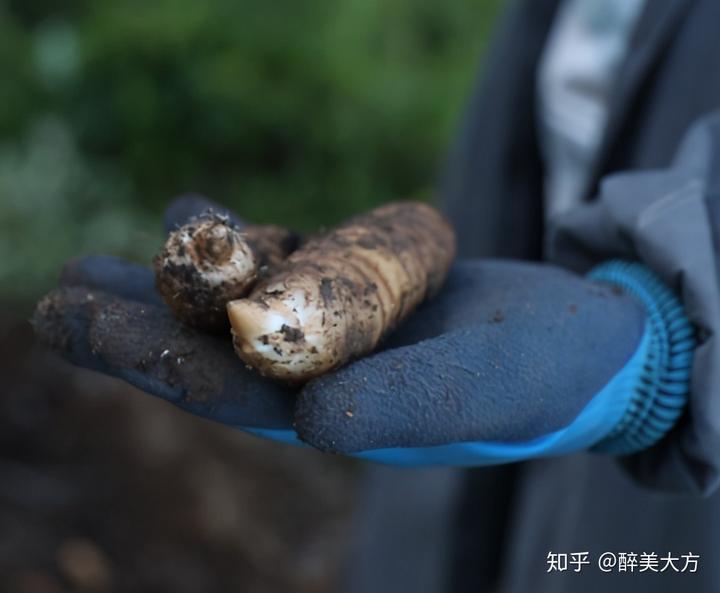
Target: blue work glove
{"x":510,"y":361}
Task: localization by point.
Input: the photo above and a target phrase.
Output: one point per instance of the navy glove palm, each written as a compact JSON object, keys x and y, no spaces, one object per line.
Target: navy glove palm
{"x":510,"y":361}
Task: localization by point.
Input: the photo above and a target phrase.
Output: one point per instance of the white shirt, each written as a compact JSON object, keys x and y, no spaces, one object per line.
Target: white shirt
{"x":576,"y":79}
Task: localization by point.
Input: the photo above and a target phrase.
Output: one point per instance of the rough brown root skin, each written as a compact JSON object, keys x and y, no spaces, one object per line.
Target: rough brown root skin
{"x":336,"y":297}
{"x":209,"y":261}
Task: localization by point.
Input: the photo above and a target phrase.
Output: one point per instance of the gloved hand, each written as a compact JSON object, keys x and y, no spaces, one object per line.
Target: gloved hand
{"x":510,"y":361}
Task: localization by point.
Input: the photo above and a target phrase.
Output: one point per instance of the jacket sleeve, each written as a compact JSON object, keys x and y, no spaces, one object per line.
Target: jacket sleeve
{"x":669,"y":219}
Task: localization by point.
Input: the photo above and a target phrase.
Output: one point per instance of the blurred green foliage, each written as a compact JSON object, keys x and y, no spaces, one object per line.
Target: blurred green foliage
{"x":296,"y":112}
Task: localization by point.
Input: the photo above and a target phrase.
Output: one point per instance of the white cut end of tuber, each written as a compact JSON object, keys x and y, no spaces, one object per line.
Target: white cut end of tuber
{"x":288,"y":340}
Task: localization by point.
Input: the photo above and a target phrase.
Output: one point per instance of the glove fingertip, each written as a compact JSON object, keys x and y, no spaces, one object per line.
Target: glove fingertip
{"x":344,"y":412}
{"x":62,"y":319}
{"x":112,"y":275}
{"x":326,"y":423}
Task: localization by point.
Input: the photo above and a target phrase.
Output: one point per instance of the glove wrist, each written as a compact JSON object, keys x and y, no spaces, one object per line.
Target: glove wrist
{"x":658,"y":387}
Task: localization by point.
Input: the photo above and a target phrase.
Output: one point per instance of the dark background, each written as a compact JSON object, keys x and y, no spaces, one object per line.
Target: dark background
{"x":297,"y":113}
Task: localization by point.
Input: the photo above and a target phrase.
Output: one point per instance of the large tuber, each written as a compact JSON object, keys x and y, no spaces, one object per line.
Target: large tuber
{"x":335,"y":298}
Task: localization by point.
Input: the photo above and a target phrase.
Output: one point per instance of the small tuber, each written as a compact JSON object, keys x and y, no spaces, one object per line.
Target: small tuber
{"x":335,"y":298}
{"x":210,"y":261}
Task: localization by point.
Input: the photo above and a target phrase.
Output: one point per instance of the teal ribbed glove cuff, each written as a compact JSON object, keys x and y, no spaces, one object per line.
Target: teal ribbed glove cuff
{"x":661,"y":382}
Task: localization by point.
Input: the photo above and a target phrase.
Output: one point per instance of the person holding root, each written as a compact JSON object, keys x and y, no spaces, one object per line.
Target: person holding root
{"x":592,"y":143}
